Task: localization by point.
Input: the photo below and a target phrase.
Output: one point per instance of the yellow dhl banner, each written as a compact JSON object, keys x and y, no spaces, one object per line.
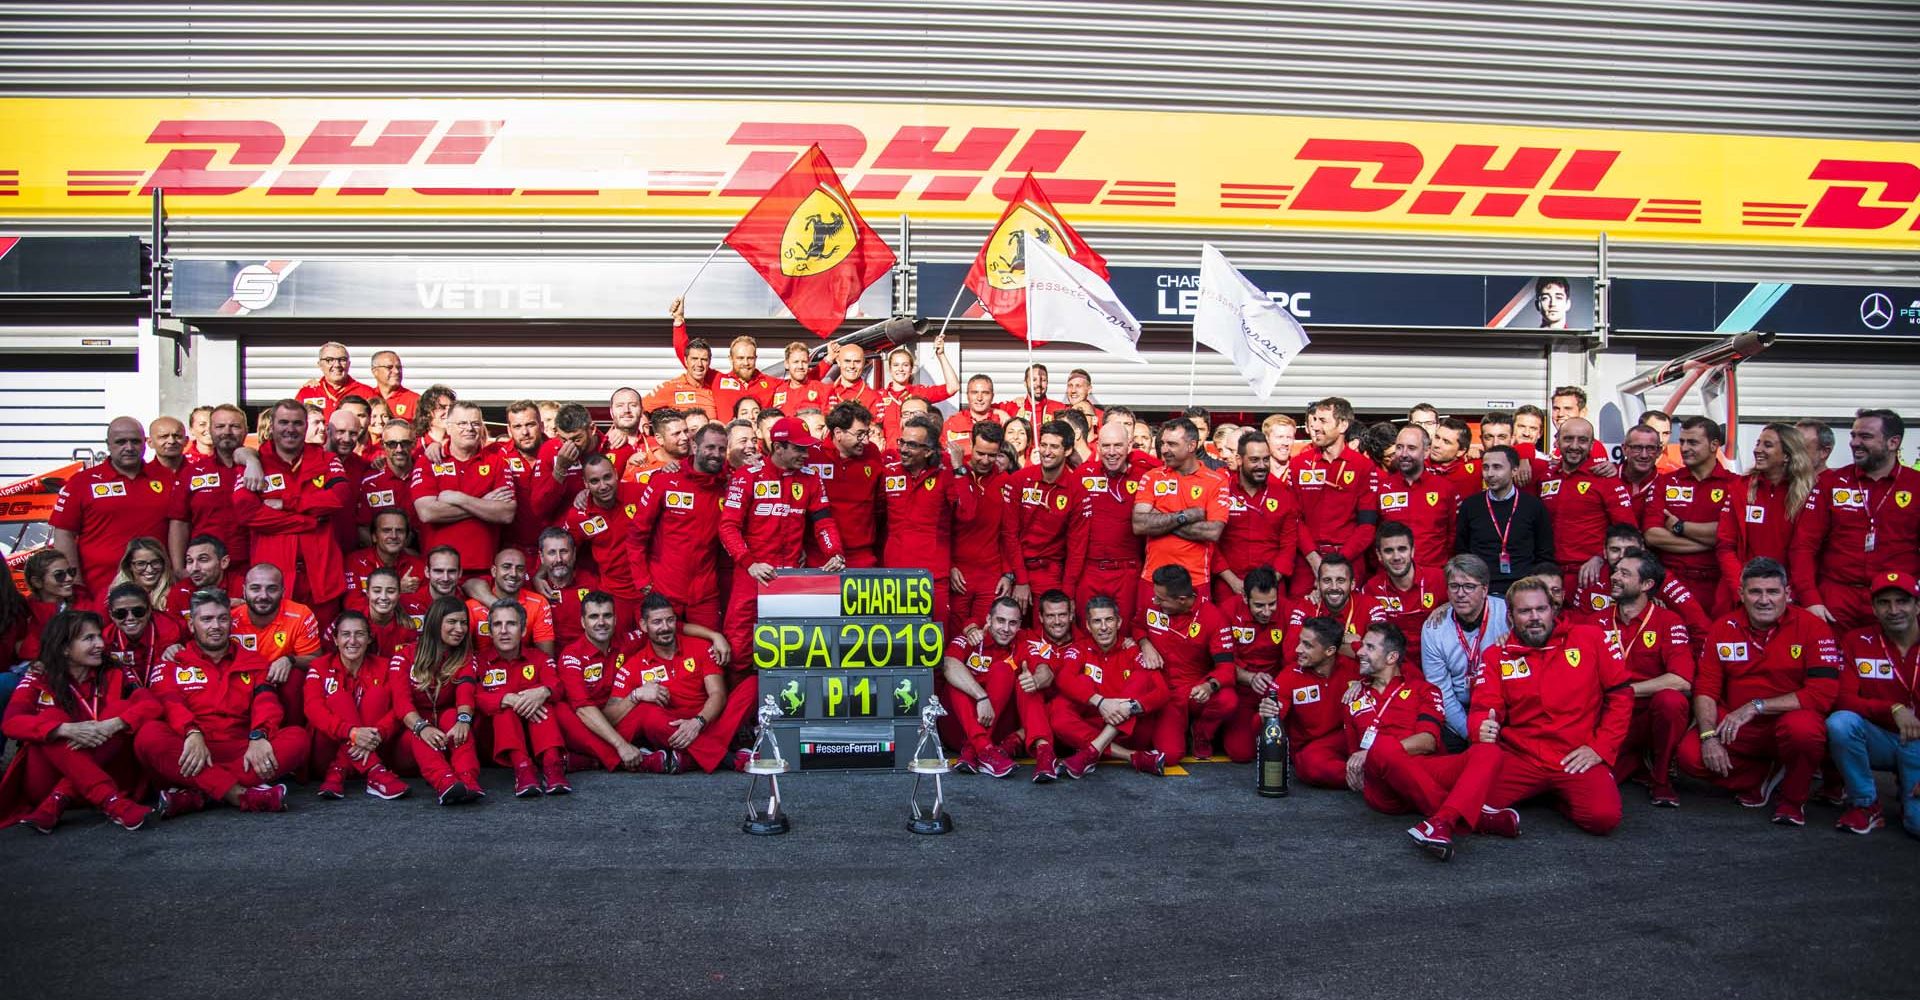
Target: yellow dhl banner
{"x":90,"y":157}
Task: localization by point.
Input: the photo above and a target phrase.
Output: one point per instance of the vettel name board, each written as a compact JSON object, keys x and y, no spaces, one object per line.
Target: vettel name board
{"x":291,"y":156}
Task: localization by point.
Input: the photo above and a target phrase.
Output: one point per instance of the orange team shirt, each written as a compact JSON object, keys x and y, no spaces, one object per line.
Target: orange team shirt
{"x":539,"y":616}
{"x":1170,"y":492}
{"x":293,"y":631}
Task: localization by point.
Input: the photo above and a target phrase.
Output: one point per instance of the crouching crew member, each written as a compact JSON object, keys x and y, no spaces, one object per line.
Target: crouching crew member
{"x":75,"y":715}
{"x":1307,"y":698}
{"x":1106,"y":696}
{"x":220,"y":736}
{"x":1394,"y":712}
{"x":350,"y":710}
{"x":590,"y":720}
{"x":516,"y":683}
{"x":680,"y":700}
{"x":434,"y":682}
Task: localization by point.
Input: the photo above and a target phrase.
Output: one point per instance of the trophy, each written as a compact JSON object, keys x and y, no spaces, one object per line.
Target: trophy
{"x":929,"y":758}
{"x":765,"y":760}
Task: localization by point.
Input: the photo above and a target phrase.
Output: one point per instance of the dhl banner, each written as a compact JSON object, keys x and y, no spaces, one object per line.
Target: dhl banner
{"x":270,"y":156}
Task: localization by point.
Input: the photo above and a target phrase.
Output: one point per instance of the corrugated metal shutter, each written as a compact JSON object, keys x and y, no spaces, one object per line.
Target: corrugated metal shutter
{"x":1378,"y":376}
{"x":44,"y":416}
{"x":1844,"y":69}
{"x":555,"y":364}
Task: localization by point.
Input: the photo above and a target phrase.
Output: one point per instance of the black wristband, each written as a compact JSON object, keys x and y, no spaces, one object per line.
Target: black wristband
{"x":258,"y":734}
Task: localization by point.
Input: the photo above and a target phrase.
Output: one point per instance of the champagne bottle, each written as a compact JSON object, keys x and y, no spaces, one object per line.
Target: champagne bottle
{"x":1272,"y":762}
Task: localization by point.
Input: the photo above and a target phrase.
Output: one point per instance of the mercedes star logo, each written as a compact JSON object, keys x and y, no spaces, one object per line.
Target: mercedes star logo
{"x":1876,"y":311}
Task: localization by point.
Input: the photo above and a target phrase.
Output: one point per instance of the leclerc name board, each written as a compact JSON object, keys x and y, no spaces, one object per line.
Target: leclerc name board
{"x":1328,"y":298}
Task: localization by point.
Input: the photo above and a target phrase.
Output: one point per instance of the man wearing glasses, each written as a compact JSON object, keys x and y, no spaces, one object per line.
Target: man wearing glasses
{"x":1454,"y":637}
{"x":924,"y":499}
{"x":465,"y":498}
{"x":388,"y":485}
{"x":336,"y":381}
{"x":1639,"y":466}
{"x":402,"y":403}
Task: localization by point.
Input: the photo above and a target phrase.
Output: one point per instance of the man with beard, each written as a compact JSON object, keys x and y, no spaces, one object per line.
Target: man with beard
{"x":742,"y":380}
{"x":691,"y":388}
{"x":673,"y":437}
{"x":1550,"y":708}
{"x":1181,"y":509}
{"x":1188,"y":634}
{"x":1760,"y":698}
{"x":221,"y":735}
{"x":1033,"y":536}
{"x":345,"y":431}
{"x":848,"y":465}
{"x":673,"y":541}
{"x":388,"y":484}
{"x":1258,"y":619}
{"x":1640,"y":467}
{"x":563,"y":583}
{"x":1392,"y":713}
{"x":1426,"y":503}
{"x":1447,"y":456}
{"x":208,"y":567}
{"x":980,"y":574}
{"x":556,"y":480}
{"x":980,"y":682}
{"x":1875,"y":725}
{"x":602,"y":527}
{"x":590,"y":716}
{"x":680,"y":700}
{"x":772,"y":509}
{"x":105,"y":506}
{"x":520,"y":454}
{"x":1660,"y":665}
{"x":516,"y":687}
{"x":1333,"y":596}
{"x":1033,"y":404}
{"x":464,"y":499}
{"x":203,"y":502}
{"x":389,"y":549}
{"x":1263,"y":521}
{"x":1861,"y":523}
{"x":283,"y":632}
{"x":1682,"y":520}
{"x":1307,"y":700}
{"x":1103,"y":552}
{"x":1405,"y":591}
{"x":509,"y":578}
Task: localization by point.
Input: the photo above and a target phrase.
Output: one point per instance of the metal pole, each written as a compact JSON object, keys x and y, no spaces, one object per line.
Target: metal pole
{"x":702,"y":269}
{"x":1602,"y":299}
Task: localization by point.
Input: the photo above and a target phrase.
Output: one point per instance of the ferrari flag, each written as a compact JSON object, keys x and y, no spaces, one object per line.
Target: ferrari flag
{"x":810,"y":243}
{"x":999,"y":274}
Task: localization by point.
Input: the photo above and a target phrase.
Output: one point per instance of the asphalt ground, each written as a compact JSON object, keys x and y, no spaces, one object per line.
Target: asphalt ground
{"x":1119,"y":885}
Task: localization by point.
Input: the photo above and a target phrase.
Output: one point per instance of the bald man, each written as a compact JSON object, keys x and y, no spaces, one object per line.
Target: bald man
{"x":402,"y":403}
{"x":850,"y":381}
{"x":167,"y":436}
{"x":1103,"y":554}
{"x":103,"y":508}
{"x":336,"y":381}
{"x":282,"y":631}
{"x":346,"y":441}
{"x":1581,"y":503}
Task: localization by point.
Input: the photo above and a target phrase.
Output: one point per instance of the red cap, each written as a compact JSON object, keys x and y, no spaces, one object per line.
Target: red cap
{"x":1903,"y":582}
{"x":792,"y":431}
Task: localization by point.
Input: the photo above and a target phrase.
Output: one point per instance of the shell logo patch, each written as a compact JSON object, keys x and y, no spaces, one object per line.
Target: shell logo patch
{"x":1313,"y":477}
{"x":654,"y":675}
{"x":1158,"y":619}
{"x":1360,"y":704}
{"x":1093,"y":482}
{"x":1398,"y":501}
{"x":45,"y":699}
{"x":684,"y":397}
{"x":276,"y":481}
{"x":204,"y":481}
{"x":1850,"y":499}
{"x":494,"y":677}
{"x":1243,"y":635}
{"x":1515,"y":669}
{"x":764,"y":490}
{"x":1550,"y":488}
{"x":1165,"y":488}
{"x":1094,"y":673}
{"x":446,"y":468}
{"x":593,"y":526}
{"x":677,"y":500}
{"x":247,"y":642}
{"x":109,"y":490}
{"x":592,"y":672}
{"x":1679,"y":494}
{"x":1306,"y":696}
{"x":1033,"y":497}
{"x":1732,"y":652}
{"x":896,"y":484}
{"x":1868,"y":669}
{"x":978,"y":663}
{"x":381,"y":498}
{"x":189,"y":675}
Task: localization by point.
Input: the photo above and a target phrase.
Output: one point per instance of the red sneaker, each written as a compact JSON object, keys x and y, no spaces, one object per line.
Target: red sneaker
{"x":741,"y":758}
{"x":471,"y":779}
{"x":1500,"y":822}
{"x":125,"y":813}
{"x":654,"y":762}
{"x":1014,"y":747}
{"x":1434,"y":838}
{"x":1859,"y":819}
{"x":1663,"y":796}
{"x":1756,"y":798}
{"x":995,"y":764}
{"x":335,"y":785}
{"x":177,"y":802}
{"x":1046,"y":767}
{"x":1149,"y":762}
{"x":553,"y":773}
{"x":1081,"y":763}
{"x":384,"y":784}
{"x":46,"y":815}
{"x":264,"y":799}
{"x":1202,"y":745}
{"x":1790,"y":814}
{"x":969,"y":761}
{"x":456,"y":793}
{"x":525,"y":782}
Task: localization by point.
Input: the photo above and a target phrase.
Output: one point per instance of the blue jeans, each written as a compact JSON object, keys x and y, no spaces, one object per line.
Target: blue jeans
{"x":1859,"y":747}
{"x":10,"y":678}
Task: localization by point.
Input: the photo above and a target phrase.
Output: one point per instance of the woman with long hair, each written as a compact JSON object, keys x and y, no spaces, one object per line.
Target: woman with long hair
{"x":1017,"y":452}
{"x":430,"y":421}
{"x":1760,"y":518}
{"x":74,"y":717}
{"x":434,"y":682}
{"x":15,"y":619}
{"x":350,"y":710}
{"x":139,"y":638}
{"x":53,"y":586}
{"x":146,"y":564}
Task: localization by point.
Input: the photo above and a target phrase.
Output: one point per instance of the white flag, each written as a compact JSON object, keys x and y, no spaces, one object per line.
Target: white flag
{"x":1237,"y":319}
{"x":1066,"y":301}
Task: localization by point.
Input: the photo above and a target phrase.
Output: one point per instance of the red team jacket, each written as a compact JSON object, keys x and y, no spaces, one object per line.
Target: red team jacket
{"x":1798,"y":655}
{"x":769,"y":514}
{"x":226,"y":697}
{"x":1550,"y":701}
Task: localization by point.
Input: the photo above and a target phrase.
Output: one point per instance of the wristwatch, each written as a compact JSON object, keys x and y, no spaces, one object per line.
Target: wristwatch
{"x":464,"y":717}
{"x":1759,"y":706}
{"x":258,"y":734}
{"x":1180,"y":518}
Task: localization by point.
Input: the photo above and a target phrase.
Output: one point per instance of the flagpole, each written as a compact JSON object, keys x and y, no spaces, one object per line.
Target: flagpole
{"x":1193,"y":370}
{"x":951,"y":306}
{"x":703,"y":267}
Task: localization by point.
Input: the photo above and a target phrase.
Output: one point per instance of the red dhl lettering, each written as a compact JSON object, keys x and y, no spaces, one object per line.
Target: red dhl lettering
{"x":189,"y":167}
{"x":1392,"y":168}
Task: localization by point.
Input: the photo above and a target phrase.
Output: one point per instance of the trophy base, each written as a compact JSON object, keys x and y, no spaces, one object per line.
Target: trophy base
{"x":766,"y":826}
{"x":931,"y":825}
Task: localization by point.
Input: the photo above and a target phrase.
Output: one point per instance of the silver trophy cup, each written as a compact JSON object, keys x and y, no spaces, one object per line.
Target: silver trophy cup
{"x":764,"y":760}
{"x":929,"y":760}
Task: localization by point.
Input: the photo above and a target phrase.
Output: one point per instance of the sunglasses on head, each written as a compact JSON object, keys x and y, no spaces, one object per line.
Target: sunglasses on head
{"x":128,"y":614}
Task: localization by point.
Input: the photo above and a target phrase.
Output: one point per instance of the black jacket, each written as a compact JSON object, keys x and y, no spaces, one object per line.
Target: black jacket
{"x":1529,"y":535}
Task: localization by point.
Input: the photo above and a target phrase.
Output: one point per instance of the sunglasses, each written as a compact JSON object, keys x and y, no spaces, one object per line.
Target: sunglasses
{"x":61,"y":574}
{"x":399,"y":445}
{"x":128,"y":614}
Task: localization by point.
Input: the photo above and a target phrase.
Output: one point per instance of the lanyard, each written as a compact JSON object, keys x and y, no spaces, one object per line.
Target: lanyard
{"x":1479,"y":643}
{"x":1626,"y":643}
{"x":93,"y":703}
{"x":1380,"y":707}
{"x":1913,"y":679}
{"x":1511,"y":517}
